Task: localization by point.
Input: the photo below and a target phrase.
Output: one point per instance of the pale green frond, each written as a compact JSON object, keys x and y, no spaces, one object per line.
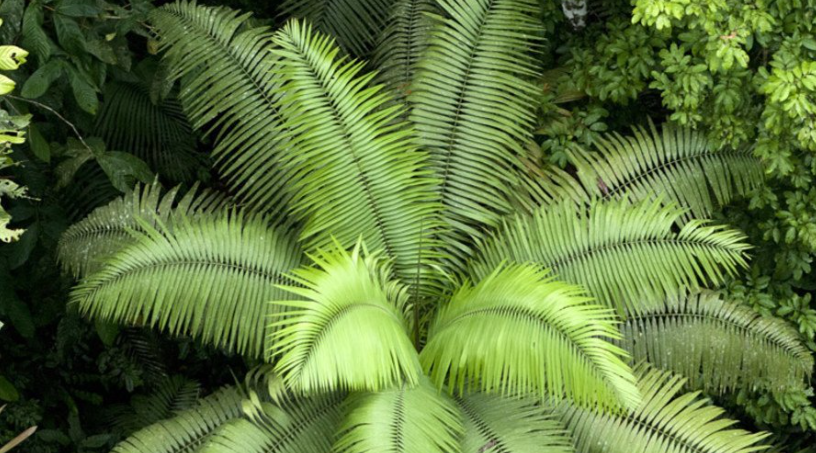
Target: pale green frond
{"x":293,"y":425}
{"x":474,"y":108}
{"x":362,"y":174}
{"x":401,"y":45}
{"x":158,"y":133}
{"x":84,"y":247}
{"x":666,"y":421}
{"x":519,"y":331}
{"x":680,"y":164}
{"x":346,"y":329}
{"x":494,"y":424}
{"x":627,"y":255}
{"x":354,"y":23}
{"x":227,"y":86}
{"x":189,"y":430}
{"x":405,"y":419}
{"x":210,"y":277}
{"x":719,"y":345}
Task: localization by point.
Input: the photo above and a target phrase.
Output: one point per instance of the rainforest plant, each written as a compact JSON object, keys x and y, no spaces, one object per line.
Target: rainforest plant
{"x":410,"y":283}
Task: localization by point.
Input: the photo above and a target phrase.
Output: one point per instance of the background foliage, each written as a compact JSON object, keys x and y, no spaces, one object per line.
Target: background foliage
{"x":105,"y":117}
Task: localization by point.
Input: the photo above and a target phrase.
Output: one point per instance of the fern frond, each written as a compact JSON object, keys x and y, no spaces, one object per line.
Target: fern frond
{"x":403,"y":419}
{"x":401,"y":44}
{"x":189,"y":430}
{"x":227,"y":88}
{"x":474,"y":109}
{"x":680,"y":164}
{"x":665,"y":421}
{"x":86,"y":244}
{"x":519,"y":331}
{"x":157,"y":133}
{"x":626,"y":255}
{"x":349,"y":330}
{"x":718,"y":345}
{"x":354,"y":23}
{"x":210,"y":277}
{"x":170,"y":397}
{"x":362,"y":172}
{"x":520,"y":425}
{"x":294,"y":425}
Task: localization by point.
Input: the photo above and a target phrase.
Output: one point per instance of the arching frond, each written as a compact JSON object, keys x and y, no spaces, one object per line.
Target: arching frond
{"x":187,"y":431}
{"x":228,"y":88}
{"x":354,"y":23}
{"x":718,"y":345}
{"x":302,"y":425}
{"x":170,"y":397}
{"x":519,"y":331}
{"x":515,"y":425}
{"x":349,"y":331}
{"x":90,"y":189}
{"x":401,"y":44}
{"x":157,"y":133}
{"x":86,"y":244}
{"x":665,"y":421}
{"x":362,"y":173}
{"x":474,"y":108}
{"x":211,"y":277}
{"x":625,"y":254}
{"x":401,"y":420}
{"x":680,"y":164}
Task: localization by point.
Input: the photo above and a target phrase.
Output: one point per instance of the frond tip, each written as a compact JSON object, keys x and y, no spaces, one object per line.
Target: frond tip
{"x":626,"y":255}
{"x":519,"y":331}
{"x":718,"y":345}
{"x":347,"y":331}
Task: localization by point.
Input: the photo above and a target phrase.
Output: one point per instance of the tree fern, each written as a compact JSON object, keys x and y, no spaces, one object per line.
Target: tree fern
{"x":187,"y":431}
{"x":362,"y":174}
{"x":403,"y":419}
{"x":494,"y":424}
{"x":473,"y":107}
{"x":401,"y":45}
{"x":504,"y":334}
{"x":217,"y":271}
{"x":86,"y":244}
{"x":718,"y":345}
{"x":627,"y":256}
{"x":354,"y":23}
{"x":228,"y":87}
{"x":348,"y":332}
{"x":678,"y":163}
{"x":665,"y":421}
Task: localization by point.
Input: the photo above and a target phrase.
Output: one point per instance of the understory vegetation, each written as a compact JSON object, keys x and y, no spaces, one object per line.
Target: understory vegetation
{"x":408,"y":226}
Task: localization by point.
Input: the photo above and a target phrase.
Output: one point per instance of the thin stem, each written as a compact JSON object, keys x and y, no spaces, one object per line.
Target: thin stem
{"x":62,"y":118}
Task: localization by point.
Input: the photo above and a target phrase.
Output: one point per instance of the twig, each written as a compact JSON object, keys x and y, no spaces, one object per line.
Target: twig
{"x":62,"y":118}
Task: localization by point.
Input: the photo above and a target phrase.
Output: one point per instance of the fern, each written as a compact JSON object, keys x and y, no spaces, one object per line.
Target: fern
{"x":217,"y":271}
{"x":473,"y":108}
{"x":664,"y":421}
{"x":417,"y":419}
{"x":170,"y":397}
{"x":627,"y":256}
{"x":502,"y":336}
{"x":86,"y":244}
{"x":678,"y":163}
{"x":718,"y":345}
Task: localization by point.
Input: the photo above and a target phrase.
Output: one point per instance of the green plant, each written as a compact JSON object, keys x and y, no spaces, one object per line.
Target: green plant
{"x":382,"y":268}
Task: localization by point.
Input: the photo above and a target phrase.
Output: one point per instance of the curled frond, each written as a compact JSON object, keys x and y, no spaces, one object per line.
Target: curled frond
{"x":518,"y":425}
{"x":519,"y":331}
{"x":84,"y":247}
{"x":189,"y":430}
{"x":625,"y":254}
{"x":718,"y":345}
{"x":474,"y":107}
{"x":362,"y":174}
{"x":402,"y":419}
{"x":347,"y":328}
{"x":211,"y":277}
{"x":680,"y":164}
{"x":666,"y":420}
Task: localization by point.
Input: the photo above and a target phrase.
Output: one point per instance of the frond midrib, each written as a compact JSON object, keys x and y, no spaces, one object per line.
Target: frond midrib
{"x":481,"y":425}
{"x":295,"y":429}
